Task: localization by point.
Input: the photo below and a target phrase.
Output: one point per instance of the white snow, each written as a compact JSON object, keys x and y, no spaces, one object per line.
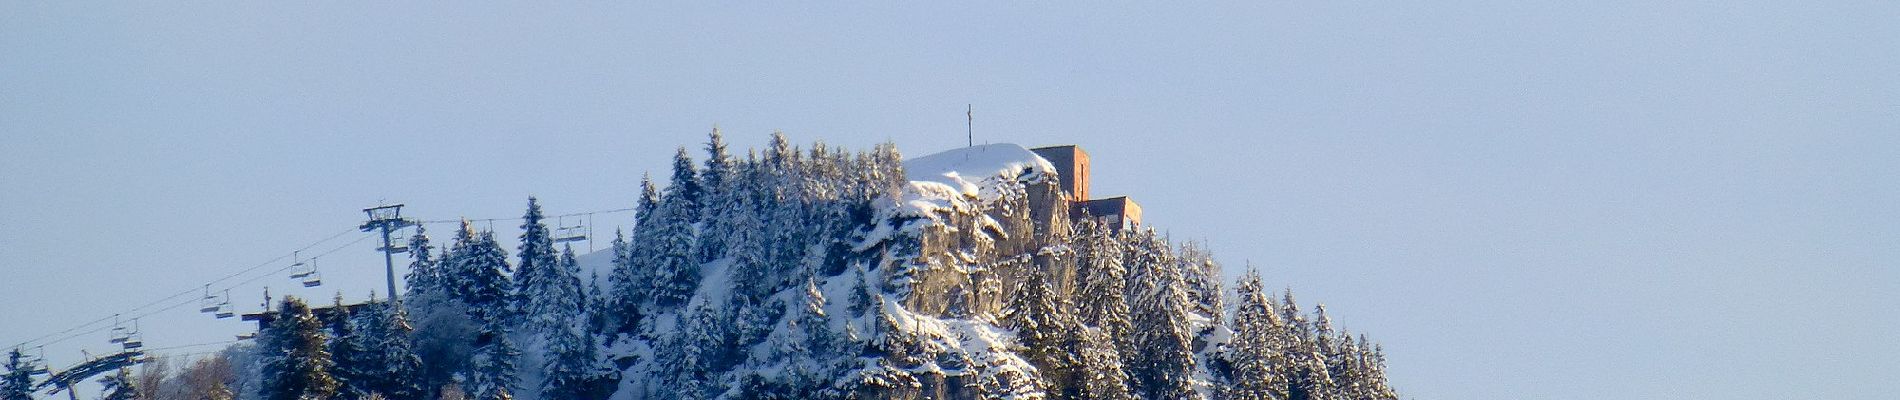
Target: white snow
{"x":970,"y":170}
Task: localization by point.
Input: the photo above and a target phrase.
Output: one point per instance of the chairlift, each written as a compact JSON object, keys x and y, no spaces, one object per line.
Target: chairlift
{"x":224,"y":308}
{"x":133,"y":339}
{"x":119,"y":333}
{"x":570,"y":234}
{"x":209,"y":304}
{"x":311,"y":278}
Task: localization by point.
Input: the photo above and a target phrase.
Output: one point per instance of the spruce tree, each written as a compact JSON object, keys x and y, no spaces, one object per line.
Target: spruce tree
{"x":119,"y":385}
{"x":297,"y":364}
{"x":630,"y":283}
{"x":1161,"y":354}
{"x":1255,"y":353}
{"x":686,"y":184}
{"x":486,"y":286}
{"x":536,"y":271}
{"x":17,"y":384}
{"x":1307,"y":378}
{"x":355,"y":366}
{"x":1043,"y":329}
{"x":1102,"y":302}
{"x":649,"y":198}
{"x":393,"y":369}
{"x":752,"y":276}
{"x":424,"y":277}
{"x":569,"y":361}
{"x":676,"y":274}
{"x":549,"y":285}
{"x":494,"y":369}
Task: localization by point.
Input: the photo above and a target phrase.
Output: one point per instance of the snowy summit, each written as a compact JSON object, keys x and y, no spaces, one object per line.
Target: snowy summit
{"x":967,"y":169}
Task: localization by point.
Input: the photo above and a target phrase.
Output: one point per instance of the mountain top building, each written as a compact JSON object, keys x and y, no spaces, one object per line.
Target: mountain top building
{"x":1072,"y":169}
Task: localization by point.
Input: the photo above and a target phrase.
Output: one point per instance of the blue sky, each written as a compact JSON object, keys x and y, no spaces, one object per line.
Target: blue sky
{"x":1518,"y":199}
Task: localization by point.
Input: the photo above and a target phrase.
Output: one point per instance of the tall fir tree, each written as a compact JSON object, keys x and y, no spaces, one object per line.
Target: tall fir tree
{"x":487,"y":282}
{"x":569,"y":360}
{"x":538,"y":279}
{"x":1161,"y":357}
{"x":393,"y":369}
{"x":495,"y":367}
{"x":354,"y":363}
{"x":119,"y":385}
{"x":548,"y":284}
{"x":424,"y":277}
{"x":686,"y":184}
{"x":1307,"y":378}
{"x":17,"y":384}
{"x":1255,"y":353}
{"x":676,"y":273}
{"x":297,"y":364}
{"x":630,"y":284}
{"x":1102,"y":302}
{"x":1043,"y":329}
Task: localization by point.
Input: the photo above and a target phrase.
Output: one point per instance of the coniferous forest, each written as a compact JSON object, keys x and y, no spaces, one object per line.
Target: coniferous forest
{"x":802,"y":273}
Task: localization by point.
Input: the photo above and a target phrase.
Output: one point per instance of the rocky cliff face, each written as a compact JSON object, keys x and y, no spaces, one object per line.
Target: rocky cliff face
{"x":950,"y":253}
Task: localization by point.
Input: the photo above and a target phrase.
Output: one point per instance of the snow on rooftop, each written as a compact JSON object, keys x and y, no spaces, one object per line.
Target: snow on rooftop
{"x":967,"y":169}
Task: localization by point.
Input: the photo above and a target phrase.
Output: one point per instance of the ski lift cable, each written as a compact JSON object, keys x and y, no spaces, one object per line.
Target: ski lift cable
{"x":156,"y":349}
{"x":75,"y":332}
{"x":576,"y":214}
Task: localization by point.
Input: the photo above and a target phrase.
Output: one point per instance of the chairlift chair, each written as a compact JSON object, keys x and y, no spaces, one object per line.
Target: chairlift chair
{"x":209,"y":304}
{"x":570,"y":234}
{"x":133,"y":339}
{"x":224,"y":308}
{"x":309,"y":275}
{"x":119,"y":333}
{"x":311,"y":278}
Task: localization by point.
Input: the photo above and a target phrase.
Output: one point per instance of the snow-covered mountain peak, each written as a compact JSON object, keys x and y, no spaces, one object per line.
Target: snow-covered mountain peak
{"x":966,"y":170}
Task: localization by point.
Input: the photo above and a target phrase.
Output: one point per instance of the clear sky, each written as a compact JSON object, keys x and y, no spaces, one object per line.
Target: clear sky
{"x":1518,"y":199}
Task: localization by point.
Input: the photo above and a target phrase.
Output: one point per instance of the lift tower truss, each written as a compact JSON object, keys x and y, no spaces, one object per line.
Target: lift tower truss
{"x":387,"y":219}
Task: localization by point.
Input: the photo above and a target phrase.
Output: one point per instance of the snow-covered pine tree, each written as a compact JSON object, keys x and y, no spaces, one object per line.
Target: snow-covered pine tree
{"x":686,"y":184}
{"x":1102,"y":301}
{"x":720,"y":194}
{"x":569,"y":366}
{"x":1305,"y":369}
{"x":1043,"y":329}
{"x":493,"y":373}
{"x":630,"y":283}
{"x":540,"y":287}
{"x":1161,"y":358}
{"x":649,"y":198}
{"x":676,"y":274}
{"x":599,"y":315}
{"x":297,"y":364}
{"x":814,"y":324}
{"x":570,"y":362}
{"x":490,"y":285}
{"x":700,"y":344}
{"x":424,"y":277}
{"x":119,"y":385}
{"x":393,"y":369}
{"x":1202,"y":277}
{"x":1255,"y":356}
{"x":751,"y":267}
{"x":355,"y":366}
{"x":17,"y":384}
{"x":1103,"y":377}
